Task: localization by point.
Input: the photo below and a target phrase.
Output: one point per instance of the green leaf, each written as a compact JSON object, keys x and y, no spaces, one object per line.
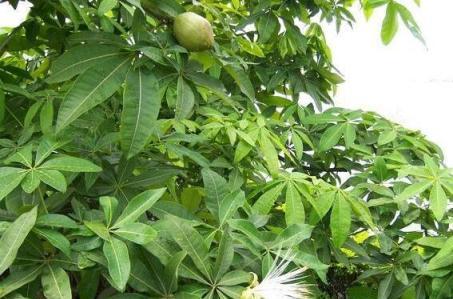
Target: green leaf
{"x":136,"y":232}
{"x":68,"y":6}
{"x":442,"y":288}
{"x":106,"y":5}
{"x":248,"y":229}
{"x":138,"y":205}
{"x":56,"y":220}
{"x":409,"y":21}
{"x":267,"y":26}
{"x":331,"y":137}
{"x":78,"y":59}
{"x":31,"y":181}
{"x":340,"y":221}
{"x":323,"y":203}
{"x":266,"y":201}
{"x":171,"y":272}
{"x":99,"y":229}
{"x":443,"y":258}
{"x":2,"y":106}
{"x":438,"y":201}
{"x":269,"y":152}
{"x":350,"y":135}
{"x":19,"y":278}
{"x":53,"y":178}
{"x":225,"y":255}
{"x":14,"y":236}
{"x":191,"y":241}
{"x":294,"y":212}
{"x":58,"y":240}
{"x":92,"y":88}
{"x":386,"y":137}
{"x":250,"y":47}
{"x":118,"y":263}
{"x":229,"y":205}
{"x":70,"y":164}
{"x":23,"y":156}
{"x":242,"y":80}
{"x":45,"y":148}
{"x":235,"y":278}
{"x":109,"y":205}
{"x":385,"y":286}
{"x":55,"y":283}
{"x":389,"y":24}
{"x":185,"y":99}
{"x":216,"y":190}
{"x":141,"y":104}
{"x":293,"y":235}
{"x":191,"y":154}
{"x":412,"y":190}
{"x":46,"y":117}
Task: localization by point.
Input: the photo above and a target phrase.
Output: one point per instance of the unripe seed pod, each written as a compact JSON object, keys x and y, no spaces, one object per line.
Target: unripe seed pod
{"x":193,"y":32}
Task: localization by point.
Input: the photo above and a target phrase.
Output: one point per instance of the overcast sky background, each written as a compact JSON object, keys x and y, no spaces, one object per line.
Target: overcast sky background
{"x":405,"y":81}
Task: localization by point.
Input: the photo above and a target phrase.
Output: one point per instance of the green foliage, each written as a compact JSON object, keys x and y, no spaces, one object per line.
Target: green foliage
{"x":133,"y":168}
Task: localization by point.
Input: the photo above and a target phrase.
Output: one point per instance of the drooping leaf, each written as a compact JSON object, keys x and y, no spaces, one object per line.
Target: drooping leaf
{"x":389,"y":24}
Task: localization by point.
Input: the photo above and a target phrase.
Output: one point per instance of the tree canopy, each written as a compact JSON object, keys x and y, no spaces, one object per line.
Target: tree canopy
{"x":132,"y":167}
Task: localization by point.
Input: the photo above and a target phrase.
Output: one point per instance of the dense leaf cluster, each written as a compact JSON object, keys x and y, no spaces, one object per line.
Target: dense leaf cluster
{"x":132,"y":168}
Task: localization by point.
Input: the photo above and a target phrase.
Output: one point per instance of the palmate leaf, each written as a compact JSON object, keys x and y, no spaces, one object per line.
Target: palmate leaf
{"x":141,"y":104}
{"x":91,"y":88}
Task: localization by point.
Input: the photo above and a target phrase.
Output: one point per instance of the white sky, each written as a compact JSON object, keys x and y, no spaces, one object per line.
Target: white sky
{"x":404,"y":81}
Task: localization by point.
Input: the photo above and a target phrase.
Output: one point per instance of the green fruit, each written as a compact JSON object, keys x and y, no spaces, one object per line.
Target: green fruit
{"x":193,"y":32}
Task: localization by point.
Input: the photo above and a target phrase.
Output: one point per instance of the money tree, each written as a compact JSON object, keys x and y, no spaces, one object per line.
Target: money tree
{"x":191,"y":149}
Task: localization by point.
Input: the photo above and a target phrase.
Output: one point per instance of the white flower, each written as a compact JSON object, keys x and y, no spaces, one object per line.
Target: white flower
{"x":277,"y":284}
